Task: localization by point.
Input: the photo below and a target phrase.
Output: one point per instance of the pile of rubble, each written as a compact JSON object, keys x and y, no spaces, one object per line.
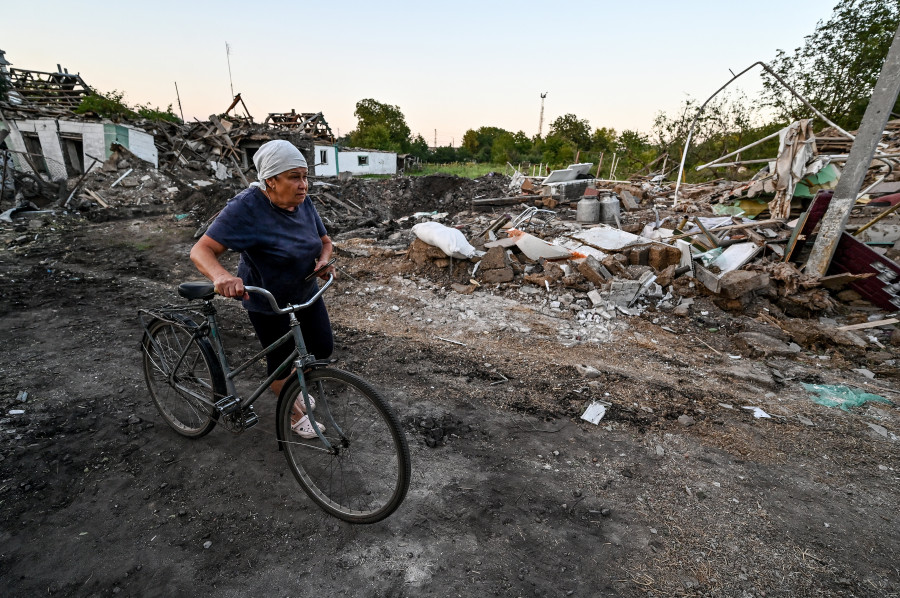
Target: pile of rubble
{"x":582,"y":260}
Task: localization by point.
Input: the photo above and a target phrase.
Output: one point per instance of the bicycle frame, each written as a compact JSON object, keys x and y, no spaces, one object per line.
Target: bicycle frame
{"x":299,"y":357}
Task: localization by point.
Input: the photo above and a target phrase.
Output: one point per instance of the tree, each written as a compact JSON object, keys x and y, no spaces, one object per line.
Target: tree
{"x":380,"y":126}
{"x":728,"y":122}
{"x":419,"y":147}
{"x":504,"y":149}
{"x":604,"y":140}
{"x":480,"y":142}
{"x":557,"y":151}
{"x":570,"y":127}
{"x":838,"y":65}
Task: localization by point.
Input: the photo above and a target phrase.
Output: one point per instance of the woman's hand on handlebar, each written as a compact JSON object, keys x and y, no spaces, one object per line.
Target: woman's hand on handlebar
{"x":230,"y":286}
{"x":327,"y":268}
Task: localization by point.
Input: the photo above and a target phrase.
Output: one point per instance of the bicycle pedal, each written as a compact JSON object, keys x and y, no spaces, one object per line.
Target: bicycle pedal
{"x":250,"y":418}
{"x":228,"y":405}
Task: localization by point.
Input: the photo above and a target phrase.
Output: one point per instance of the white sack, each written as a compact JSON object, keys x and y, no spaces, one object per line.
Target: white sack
{"x":449,"y":240}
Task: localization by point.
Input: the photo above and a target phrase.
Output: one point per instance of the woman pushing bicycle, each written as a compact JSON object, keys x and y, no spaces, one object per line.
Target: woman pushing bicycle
{"x":282,"y":240}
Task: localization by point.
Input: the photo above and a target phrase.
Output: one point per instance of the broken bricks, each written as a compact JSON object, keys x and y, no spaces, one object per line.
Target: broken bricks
{"x":495,"y":267}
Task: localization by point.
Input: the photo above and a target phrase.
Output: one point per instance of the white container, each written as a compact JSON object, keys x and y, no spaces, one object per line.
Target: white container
{"x":588,"y":211}
{"x":609,"y":210}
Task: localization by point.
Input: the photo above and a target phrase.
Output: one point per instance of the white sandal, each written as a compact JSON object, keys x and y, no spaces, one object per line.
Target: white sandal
{"x":300,"y":406}
{"x":304,"y":429}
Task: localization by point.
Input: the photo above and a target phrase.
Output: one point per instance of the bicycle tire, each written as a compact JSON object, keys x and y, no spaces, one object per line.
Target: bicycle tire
{"x":367,"y":479}
{"x":198,"y":375}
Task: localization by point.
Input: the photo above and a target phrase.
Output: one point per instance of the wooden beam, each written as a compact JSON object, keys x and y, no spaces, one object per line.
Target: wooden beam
{"x":870,"y":133}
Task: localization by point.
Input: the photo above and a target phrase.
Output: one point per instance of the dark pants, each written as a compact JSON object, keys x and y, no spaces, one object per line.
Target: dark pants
{"x":314,"y":324}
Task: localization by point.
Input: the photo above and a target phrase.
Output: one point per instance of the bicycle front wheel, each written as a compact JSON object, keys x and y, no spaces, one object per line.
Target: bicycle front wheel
{"x":365,"y":476}
{"x":186,"y":399}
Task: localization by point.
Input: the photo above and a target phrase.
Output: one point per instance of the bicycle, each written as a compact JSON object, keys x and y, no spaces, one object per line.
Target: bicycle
{"x":357,"y":470}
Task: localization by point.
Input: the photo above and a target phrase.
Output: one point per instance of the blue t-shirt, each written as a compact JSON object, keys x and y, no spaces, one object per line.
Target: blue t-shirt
{"x":278,"y":247}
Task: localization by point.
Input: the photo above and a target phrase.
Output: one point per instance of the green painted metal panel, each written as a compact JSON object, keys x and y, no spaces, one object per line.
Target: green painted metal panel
{"x":114,"y":134}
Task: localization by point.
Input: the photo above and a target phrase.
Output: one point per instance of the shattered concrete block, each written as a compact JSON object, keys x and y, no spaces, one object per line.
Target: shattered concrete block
{"x":621,"y":292}
{"x":749,"y":371}
{"x":615,"y":264}
{"x":596,"y":298}
{"x":497,"y":275}
{"x":494,"y":259}
{"x":666,"y":277}
{"x":639,"y":256}
{"x":737,"y":283}
{"x":629,"y":202}
{"x":663,"y":256}
{"x":588,"y":371}
{"x":463,"y":289}
{"x":590,"y":269}
{"x":759,"y":344}
{"x":682,"y":309}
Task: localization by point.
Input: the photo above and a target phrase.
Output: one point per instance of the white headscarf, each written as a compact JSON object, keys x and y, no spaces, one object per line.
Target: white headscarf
{"x":275,"y":157}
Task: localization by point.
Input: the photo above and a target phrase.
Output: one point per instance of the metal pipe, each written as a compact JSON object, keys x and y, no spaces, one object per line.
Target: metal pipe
{"x":735,"y":152}
{"x":687,"y":142}
{"x":885,"y":213}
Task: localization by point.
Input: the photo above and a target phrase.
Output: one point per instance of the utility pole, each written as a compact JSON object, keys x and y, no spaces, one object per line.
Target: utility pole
{"x":435,"y":138}
{"x":869,"y":135}
{"x":541,"y":122}
{"x":228,"y":57}
{"x":178,"y":95}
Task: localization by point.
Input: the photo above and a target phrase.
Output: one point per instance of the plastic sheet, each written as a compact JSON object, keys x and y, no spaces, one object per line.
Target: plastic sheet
{"x":842,"y":397}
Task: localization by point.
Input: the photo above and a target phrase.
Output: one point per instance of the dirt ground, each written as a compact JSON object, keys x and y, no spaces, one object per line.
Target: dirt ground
{"x":679,"y":491}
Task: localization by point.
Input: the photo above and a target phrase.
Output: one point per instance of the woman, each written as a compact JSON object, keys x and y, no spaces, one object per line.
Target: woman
{"x":281,"y":240}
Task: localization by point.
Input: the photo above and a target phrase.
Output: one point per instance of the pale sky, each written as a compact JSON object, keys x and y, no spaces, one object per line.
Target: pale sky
{"x":449,"y":66}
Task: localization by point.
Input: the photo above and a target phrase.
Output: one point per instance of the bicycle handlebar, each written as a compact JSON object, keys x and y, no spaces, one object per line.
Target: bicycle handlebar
{"x":290,"y":308}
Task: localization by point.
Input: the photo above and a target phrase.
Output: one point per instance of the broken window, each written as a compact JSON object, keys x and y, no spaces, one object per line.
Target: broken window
{"x":73,"y":153}
{"x":363,"y":160}
{"x":35,"y":153}
{"x":323,"y":156}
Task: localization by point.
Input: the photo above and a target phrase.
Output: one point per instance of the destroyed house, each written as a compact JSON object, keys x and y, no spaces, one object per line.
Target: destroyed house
{"x":44,"y":134}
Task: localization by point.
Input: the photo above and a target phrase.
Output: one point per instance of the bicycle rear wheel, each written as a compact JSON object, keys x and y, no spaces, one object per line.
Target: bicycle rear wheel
{"x":187,"y":403}
{"x":365,"y":478}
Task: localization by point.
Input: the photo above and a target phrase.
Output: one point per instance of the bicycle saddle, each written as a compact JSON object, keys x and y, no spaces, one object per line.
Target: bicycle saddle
{"x":197,"y":290}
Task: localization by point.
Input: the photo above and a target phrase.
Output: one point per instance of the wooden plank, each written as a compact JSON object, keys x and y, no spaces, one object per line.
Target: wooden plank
{"x":875,"y":324}
{"x":505,"y":201}
{"x":96,"y":197}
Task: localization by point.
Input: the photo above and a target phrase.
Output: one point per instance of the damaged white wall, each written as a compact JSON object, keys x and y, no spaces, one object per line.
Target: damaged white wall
{"x":96,"y":139}
{"x":356,"y":161}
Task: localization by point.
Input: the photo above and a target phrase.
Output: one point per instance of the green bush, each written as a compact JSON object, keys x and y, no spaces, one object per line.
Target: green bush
{"x":112,"y":106}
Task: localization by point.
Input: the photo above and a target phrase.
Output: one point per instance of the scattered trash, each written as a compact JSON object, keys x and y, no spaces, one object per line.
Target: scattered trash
{"x":843,"y":397}
{"x":595,"y":411}
{"x":22,"y":396}
{"x":758,"y":413}
{"x":878,"y":429}
{"x":16,"y":411}
{"x":587,"y":371}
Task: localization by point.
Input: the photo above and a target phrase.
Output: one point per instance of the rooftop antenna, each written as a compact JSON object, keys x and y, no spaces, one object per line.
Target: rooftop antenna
{"x":541,"y":123}
{"x":228,"y":57}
